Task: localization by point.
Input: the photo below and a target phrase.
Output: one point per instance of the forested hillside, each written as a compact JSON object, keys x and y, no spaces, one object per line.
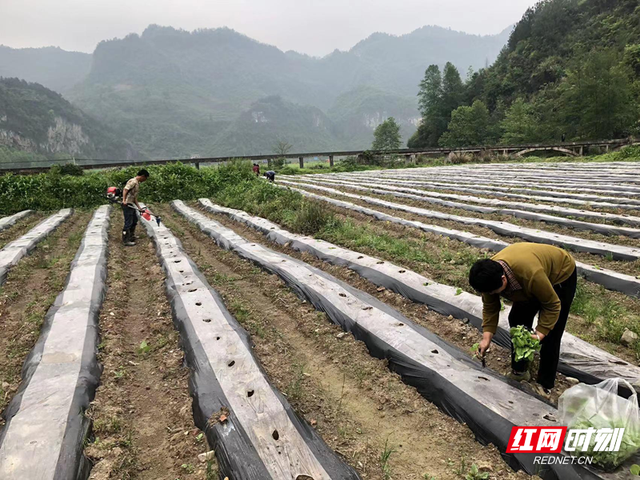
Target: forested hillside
{"x":51,"y":67}
{"x":570,"y":69}
{"x":36,"y":122}
{"x":175,"y":93}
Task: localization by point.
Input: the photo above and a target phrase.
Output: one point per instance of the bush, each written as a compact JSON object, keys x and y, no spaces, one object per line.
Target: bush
{"x":628,"y":153}
{"x":67,"y":169}
{"x":349,"y":162}
{"x":289,"y":170}
{"x":311,"y":218}
{"x":276,"y":163}
{"x":279,"y":205}
{"x":456,"y":158}
{"x":54,"y":190}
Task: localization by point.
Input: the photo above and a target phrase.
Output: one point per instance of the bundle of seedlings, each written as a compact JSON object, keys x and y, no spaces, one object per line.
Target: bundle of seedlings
{"x":610,"y":423}
{"x":524,"y":345}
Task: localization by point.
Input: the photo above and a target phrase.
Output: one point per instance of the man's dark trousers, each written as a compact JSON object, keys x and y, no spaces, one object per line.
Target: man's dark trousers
{"x":523,"y":313}
{"x":130,"y":218}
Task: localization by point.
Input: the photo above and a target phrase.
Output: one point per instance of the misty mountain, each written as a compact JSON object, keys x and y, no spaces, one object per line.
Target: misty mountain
{"x":174,"y":93}
{"x":397,"y":64}
{"x":37,"y":120}
{"x":270,"y":119}
{"x":51,"y":67}
{"x":358,"y":112}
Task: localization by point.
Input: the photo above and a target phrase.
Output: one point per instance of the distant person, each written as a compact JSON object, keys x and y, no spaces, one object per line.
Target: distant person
{"x":564,"y":137}
{"x":537,"y":279}
{"x":271,"y":175}
{"x":129,"y":205}
{"x":256,"y":169}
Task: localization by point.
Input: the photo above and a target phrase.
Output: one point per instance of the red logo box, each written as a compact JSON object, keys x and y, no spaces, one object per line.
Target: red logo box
{"x":536,"y":439}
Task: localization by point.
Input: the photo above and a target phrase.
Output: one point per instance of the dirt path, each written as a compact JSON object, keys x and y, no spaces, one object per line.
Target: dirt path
{"x":143,"y":425}
{"x":31,"y":287}
{"x":381,"y":426}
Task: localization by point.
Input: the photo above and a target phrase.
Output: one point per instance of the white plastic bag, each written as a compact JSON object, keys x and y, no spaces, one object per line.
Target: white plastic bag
{"x":600,"y":407}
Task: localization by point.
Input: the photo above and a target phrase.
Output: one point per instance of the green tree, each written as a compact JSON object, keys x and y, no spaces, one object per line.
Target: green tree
{"x":439,"y":94}
{"x":430,"y":91}
{"x":387,"y":135}
{"x":469,"y":126}
{"x":632,"y":57}
{"x":452,"y":90}
{"x":521,"y":124}
{"x":430,"y":106}
{"x":596,"y":98}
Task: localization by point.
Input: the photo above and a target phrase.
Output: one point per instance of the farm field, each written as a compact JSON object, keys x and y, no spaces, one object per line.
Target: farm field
{"x":317,"y":328}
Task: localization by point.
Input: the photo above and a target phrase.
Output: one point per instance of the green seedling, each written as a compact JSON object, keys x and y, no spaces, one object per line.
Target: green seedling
{"x":144,"y":348}
{"x":476,"y":474}
{"x":384,"y":459}
{"x":211,"y":473}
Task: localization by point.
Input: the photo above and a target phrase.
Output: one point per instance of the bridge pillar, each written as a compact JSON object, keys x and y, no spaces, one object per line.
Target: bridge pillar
{"x":198,"y":165}
{"x":331,"y":160}
{"x":581,"y":151}
{"x":301,"y":160}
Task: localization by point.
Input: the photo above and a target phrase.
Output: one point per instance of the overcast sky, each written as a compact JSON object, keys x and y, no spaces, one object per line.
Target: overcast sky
{"x":315,"y":27}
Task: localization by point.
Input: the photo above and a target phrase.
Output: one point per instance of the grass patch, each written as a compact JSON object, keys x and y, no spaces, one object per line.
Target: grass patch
{"x":108,"y":426}
{"x":295,"y":389}
{"x":384,"y":459}
{"x":606,"y":317}
{"x":212,"y":471}
{"x":449,"y":265}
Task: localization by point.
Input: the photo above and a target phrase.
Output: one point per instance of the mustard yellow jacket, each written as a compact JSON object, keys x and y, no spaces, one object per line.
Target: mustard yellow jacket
{"x":537,"y":268}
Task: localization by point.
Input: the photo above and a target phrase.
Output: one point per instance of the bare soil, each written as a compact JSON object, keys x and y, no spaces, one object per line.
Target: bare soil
{"x":31,"y":287}
{"x":143,"y":425}
{"x":360,"y":408}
